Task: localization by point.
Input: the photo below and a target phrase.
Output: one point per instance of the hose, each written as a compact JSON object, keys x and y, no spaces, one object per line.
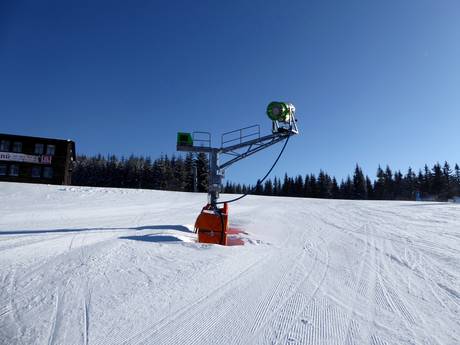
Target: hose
{"x":259,"y":182}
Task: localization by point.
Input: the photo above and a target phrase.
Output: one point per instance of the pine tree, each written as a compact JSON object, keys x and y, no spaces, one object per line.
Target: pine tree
{"x":188,"y":172}
{"x":291,"y":191}
{"x":426,"y":182}
{"x":410,"y":185}
{"x":179,"y":174}
{"x":314,"y":192}
{"x":379,"y":184}
{"x":456,"y":189}
{"x":437,"y":182}
{"x":359,"y":184}
{"x":239,"y":189}
{"x":278,"y":187}
{"x":369,"y":189}
{"x":167,"y":173}
{"x":346,"y":188}
{"x":307,"y":193}
{"x":323,"y":185}
{"x":298,"y":186}
{"x":388,"y":193}
{"x":276,"y":191}
{"x":202,"y":167}
{"x":447,"y":191}
{"x":398,"y":186}
{"x":268,"y":187}
{"x":285,"y":189}
{"x":335,"y":191}
{"x":258,"y":190}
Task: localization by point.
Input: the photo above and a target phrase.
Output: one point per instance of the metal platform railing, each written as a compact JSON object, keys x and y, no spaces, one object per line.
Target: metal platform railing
{"x":202,"y":139}
{"x":240,"y":135}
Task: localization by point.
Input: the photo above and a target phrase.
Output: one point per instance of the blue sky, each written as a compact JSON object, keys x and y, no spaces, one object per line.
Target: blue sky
{"x":374,"y":82}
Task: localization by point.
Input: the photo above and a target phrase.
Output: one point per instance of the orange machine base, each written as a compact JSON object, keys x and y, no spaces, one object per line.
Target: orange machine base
{"x":212,"y":227}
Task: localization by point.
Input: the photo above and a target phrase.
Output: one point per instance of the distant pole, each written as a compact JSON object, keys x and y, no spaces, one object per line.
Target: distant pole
{"x":195,"y":178}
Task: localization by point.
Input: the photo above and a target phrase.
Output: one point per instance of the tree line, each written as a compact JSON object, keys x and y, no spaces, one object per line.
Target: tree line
{"x":164,"y":173}
{"x":441,"y":182}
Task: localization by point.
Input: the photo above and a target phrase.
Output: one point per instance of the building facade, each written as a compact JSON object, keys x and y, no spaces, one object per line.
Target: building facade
{"x":36,"y":160}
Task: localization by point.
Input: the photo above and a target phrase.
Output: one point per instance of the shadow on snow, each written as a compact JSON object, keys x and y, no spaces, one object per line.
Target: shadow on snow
{"x":152,"y":238}
{"x":146,"y":227}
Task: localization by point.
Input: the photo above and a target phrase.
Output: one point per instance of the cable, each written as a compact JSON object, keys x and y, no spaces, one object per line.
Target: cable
{"x":260,"y":180}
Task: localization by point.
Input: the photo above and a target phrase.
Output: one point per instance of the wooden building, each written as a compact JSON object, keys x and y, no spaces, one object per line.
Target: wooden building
{"x":36,"y":160}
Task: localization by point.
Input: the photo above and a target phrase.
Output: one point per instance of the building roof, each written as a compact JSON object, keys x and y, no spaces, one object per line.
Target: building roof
{"x":17,"y":136}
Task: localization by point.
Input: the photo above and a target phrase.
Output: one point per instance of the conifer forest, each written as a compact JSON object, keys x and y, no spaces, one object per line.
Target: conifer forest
{"x":176,"y":173}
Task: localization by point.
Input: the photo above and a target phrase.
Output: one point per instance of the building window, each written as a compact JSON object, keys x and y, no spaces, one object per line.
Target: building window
{"x":36,"y":172}
{"x":14,"y":170}
{"x":48,"y":172}
{"x":5,"y":145}
{"x":3,"y":170}
{"x":39,"y":148}
{"x":17,"y":146}
{"x":50,"y":149}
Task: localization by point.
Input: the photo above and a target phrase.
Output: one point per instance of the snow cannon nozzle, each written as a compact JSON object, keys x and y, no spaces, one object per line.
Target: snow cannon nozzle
{"x":280,"y":111}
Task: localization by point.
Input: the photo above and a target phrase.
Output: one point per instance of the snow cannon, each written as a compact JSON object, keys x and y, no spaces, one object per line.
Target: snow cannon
{"x":212,"y":224}
{"x":280,"y":111}
{"x":212,"y":227}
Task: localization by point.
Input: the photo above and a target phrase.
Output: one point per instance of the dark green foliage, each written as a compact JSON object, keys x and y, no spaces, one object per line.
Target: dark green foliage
{"x":286,"y":185}
{"x":335,"y":191}
{"x":324,"y":185}
{"x":259,"y":189}
{"x":202,"y":167}
{"x":448,"y":179}
{"x":369,"y":188}
{"x":379,"y":185}
{"x":189,"y":163}
{"x":164,"y":173}
{"x":388,"y":183}
{"x":346,"y":189}
{"x":359,"y":184}
{"x":426,"y":181}
{"x":268,"y":187}
{"x":398,"y":186}
{"x":176,"y":173}
{"x":313,"y":187}
{"x":456,"y":180}
{"x":297,"y":186}
{"x":437,"y":181}
{"x":410,"y":185}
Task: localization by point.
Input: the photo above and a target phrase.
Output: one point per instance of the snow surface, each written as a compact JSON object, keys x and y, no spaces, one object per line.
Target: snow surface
{"x":115,"y":266}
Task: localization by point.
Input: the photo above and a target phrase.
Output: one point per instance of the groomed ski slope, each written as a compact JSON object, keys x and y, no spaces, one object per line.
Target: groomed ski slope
{"x":114,"y":266}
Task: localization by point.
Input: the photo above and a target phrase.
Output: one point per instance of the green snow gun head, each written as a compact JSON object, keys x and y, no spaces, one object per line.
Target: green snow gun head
{"x":280,"y":111}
